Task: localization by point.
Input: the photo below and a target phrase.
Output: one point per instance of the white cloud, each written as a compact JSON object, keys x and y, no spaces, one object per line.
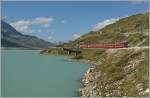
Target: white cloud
{"x":104,"y":23}
{"x":135,"y":2}
{"x":50,"y":37}
{"x":46,"y":25}
{"x":23,"y":28}
{"x":52,"y":32}
{"x":42,"y":20}
{"x":75,"y":36}
{"x":4,"y":17}
{"x":31,"y":31}
{"x":63,"y":21}
{"x":23,"y":25}
{"x":39,"y":30}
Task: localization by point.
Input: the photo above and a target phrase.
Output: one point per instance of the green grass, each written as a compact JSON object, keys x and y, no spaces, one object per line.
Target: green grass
{"x":116,"y":32}
{"x":114,"y":68}
{"x":129,"y":67}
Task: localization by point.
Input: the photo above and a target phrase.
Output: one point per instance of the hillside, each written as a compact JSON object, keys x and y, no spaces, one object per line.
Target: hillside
{"x":126,"y":29}
{"x":115,"y":72}
{"x":118,"y":72}
{"x":10,"y":38}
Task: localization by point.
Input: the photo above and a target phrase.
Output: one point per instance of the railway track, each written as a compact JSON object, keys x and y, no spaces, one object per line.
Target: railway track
{"x":142,"y":47}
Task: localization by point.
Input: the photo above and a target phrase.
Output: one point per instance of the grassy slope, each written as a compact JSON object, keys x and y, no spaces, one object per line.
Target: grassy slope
{"x":123,"y":30}
{"x":119,"y":73}
{"x":116,"y":72}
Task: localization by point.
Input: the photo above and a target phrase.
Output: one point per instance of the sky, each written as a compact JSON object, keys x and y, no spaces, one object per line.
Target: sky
{"x":63,"y":21}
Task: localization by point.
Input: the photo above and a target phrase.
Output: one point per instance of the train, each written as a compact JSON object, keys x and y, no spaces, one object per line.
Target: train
{"x":114,"y":45}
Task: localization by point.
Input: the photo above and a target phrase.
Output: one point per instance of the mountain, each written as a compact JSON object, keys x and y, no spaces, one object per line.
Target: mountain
{"x":115,"y":72}
{"x":118,"y":72}
{"x":126,"y":29}
{"x":11,"y":38}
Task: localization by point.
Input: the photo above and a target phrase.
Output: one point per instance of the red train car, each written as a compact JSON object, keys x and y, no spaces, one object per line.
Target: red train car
{"x":115,"y":45}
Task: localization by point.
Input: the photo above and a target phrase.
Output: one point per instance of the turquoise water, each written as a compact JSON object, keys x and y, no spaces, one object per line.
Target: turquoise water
{"x":26,"y":73}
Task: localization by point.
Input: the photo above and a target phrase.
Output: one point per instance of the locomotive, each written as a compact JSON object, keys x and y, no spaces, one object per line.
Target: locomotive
{"x":114,"y":45}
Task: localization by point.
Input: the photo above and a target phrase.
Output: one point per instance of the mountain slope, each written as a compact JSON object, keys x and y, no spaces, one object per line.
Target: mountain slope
{"x":125,"y":29}
{"x":118,"y":72}
{"x":10,"y":38}
{"x":115,"y":72}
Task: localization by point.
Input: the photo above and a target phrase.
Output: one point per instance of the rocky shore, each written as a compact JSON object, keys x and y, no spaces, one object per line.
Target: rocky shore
{"x":87,"y":78}
{"x":97,"y":82}
{"x":114,"y":72}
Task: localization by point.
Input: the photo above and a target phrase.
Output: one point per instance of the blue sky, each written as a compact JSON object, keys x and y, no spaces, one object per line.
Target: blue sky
{"x":63,"y":21}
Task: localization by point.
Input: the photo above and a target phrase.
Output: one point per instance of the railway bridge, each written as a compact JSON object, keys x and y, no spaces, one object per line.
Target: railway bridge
{"x":73,"y":50}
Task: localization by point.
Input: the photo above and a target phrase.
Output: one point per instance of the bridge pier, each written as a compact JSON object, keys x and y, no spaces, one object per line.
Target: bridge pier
{"x":69,"y":51}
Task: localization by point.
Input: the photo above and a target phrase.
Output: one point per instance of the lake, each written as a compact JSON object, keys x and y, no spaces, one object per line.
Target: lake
{"x":26,"y":73}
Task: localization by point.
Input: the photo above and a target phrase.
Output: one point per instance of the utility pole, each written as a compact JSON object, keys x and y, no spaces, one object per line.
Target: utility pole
{"x":117,"y":31}
{"x":140,"y":27}
{"x":141,"y":30}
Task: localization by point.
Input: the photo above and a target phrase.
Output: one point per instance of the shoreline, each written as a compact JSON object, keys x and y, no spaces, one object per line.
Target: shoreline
{"x":82,"y":79}
{"x":98,"y":80}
